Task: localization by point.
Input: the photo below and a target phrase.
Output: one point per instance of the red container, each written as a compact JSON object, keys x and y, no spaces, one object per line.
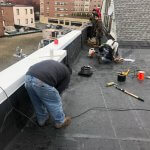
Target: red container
{"x":56,"y":41}
{"x":141,"y":75}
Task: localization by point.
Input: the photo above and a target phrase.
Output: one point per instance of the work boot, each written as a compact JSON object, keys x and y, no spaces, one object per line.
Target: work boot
{"x":66,"y":123}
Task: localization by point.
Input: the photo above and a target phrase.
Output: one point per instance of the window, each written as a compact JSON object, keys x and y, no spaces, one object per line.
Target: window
{"x":66,"y":22}
{"x":18,"y":21}
{"x":17,"y":11}
{"x":3,"y":23}
{"x":26,"y":21}
{"x":62,"y":15}
{"x":58,"y":15}
{"x":54,"y":34}
{"x":31,"y":11}
{"x":74,"y":23}
{"x":52,"y":20}
{"x":26,"y":11}
{"x":61,"y":22}
{"x":2,"y":11}
{"x":31,"y":20}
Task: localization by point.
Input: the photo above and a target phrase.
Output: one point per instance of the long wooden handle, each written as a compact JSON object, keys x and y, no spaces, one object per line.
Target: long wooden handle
{"x":131,"y":94}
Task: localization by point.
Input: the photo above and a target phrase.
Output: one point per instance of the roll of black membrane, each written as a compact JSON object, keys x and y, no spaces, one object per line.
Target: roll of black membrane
{"x":121,"y":78}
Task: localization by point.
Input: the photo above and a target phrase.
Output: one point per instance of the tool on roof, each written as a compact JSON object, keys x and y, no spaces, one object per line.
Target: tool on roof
{"x":124,"y":72}
{"x":122,"y":75}
{"x":124,"y":91}
{"x":147,"y":77}
{"x":140,"y":75}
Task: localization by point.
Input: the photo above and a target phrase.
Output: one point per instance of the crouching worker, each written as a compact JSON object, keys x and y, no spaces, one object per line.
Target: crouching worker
{"x":44,"y":82}
{"x":108,"y":52}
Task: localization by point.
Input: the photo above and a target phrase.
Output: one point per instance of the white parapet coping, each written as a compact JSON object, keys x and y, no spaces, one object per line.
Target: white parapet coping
{"x":64,"y":41}
{"x":13,"y":77}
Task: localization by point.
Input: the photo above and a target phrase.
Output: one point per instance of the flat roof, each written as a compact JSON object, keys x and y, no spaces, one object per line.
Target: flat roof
{"x":110,"y":119}
{"x":22,"y":6}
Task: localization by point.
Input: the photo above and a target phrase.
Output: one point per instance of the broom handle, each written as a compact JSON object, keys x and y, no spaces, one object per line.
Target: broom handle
{"x":131,"y":94}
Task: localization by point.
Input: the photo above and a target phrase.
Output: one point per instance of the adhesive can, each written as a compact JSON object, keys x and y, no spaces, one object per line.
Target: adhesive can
{"x":56,"y":41}
{"x":140,"y":75}
{"x":121,"y":78}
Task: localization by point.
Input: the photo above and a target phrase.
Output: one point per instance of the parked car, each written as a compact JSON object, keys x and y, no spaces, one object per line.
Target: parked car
{"x":44,"y":42}
{"x":59,"y":27}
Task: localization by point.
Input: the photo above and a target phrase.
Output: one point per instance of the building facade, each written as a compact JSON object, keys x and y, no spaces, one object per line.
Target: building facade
{"x":95,"y":4}
{"x":109,"y":18}
{"x":8,"y":16}
{"x":66,"y":12}
{"x":52,"y":8}
{"x":22,"y":2}
{"x":24,"y":15}
{"x":1,"y":24}
{"x":34,"y":3}
{"x":81,"y":6}
{"x":63,"y":8}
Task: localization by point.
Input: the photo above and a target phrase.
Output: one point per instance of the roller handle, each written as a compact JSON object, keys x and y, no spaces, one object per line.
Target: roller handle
{"x":135,"y":96}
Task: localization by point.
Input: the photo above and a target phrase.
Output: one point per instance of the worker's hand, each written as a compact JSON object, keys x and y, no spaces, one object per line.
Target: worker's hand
{"x":118,"y":60}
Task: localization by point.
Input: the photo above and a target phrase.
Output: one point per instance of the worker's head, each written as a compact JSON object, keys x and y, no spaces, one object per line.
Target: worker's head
{"x":94,"y":10}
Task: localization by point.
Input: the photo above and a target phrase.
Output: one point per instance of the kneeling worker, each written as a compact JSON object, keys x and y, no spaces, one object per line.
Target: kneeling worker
{"x":44,"y":82}
{"x":109,"y":52}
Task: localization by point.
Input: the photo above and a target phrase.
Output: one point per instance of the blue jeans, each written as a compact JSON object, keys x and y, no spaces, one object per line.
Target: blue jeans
{"x":45,"y":99}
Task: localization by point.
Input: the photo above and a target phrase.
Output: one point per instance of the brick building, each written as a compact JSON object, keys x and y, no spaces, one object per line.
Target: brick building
{"x":1,"y":24}
{"x":64,"y":8}
{"x":8,"y":16}
{"x":68,"y":10}
{"x":34,"y":3}
{"x":95,"y":4}
{"x":17,"y":15}
{"x":23,"y":2}
{"x":61,"y":8}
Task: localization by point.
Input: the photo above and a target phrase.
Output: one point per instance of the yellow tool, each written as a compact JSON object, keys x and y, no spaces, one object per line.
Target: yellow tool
{"x":110,"y":84}
{"x":124,"y":73}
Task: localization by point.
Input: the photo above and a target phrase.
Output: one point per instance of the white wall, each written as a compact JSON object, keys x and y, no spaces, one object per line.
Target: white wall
{"x":111,"y":9}
{"x":113,"y":26}
{"x":23,"y":16}
{"x":13,"y":77}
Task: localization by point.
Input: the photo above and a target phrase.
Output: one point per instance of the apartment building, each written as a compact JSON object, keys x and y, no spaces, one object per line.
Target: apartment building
{"x":1,"y":24}
{"x":17,"y":15}
{"x":56,"y":8}
{"x":81,"y":6}
{"x":64,"y":11}
{"x":22,"y":2}
{"x":95,"y":4}
{"x":34,"y":3}
{"x":24,"y":15}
